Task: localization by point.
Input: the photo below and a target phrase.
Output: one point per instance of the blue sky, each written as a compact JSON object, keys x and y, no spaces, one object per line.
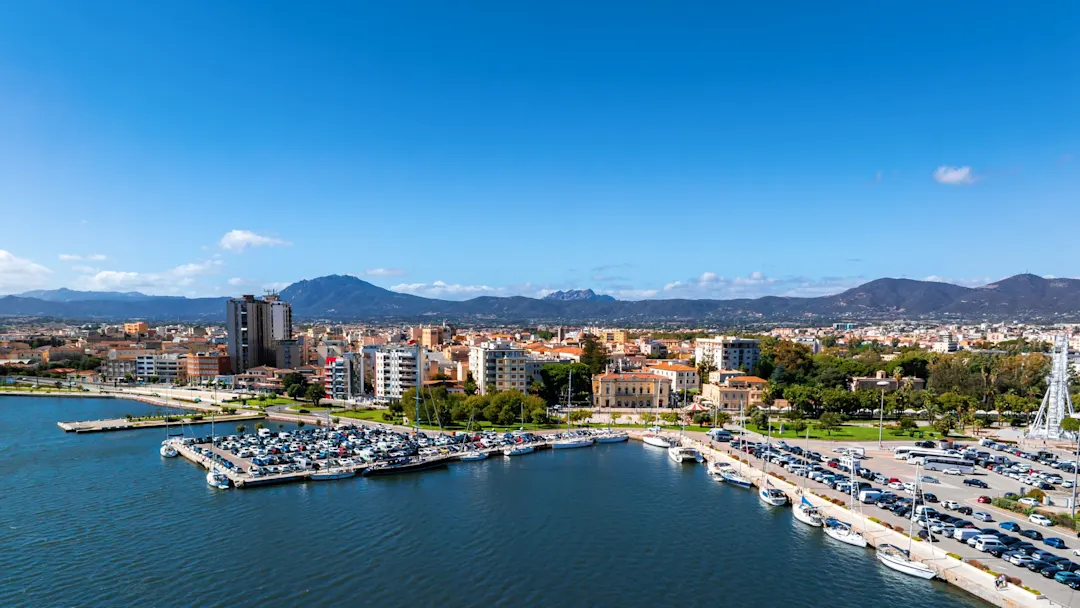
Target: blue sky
{"x":643,"y":149}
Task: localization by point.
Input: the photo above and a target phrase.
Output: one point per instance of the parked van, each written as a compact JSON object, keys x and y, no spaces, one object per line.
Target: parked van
{"x":985,"y":544}
{"x":720,"y":435}
{"x":986,"y":442}
{"x":921,"y":510}
{"x":869,"y":496}
{"x":963,"y":534}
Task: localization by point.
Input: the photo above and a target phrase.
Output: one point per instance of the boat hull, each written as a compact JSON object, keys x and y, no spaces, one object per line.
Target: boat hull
{"x":771,"y":499}
{"x":519,"y":451}
{"x":570,"y":444}
{"x":906,"y":566}
{"x":845,"y":535}
{"x":472,"y":457}
{"x":620,"y":438}
{"x":327,"y":476}
{"x":736,"y":480}
{"x":807,"y":515}
{"x":656,"y":441}
{"x":412,"y":467}
{"x":167,"y":451}
{"x":217,"y":480}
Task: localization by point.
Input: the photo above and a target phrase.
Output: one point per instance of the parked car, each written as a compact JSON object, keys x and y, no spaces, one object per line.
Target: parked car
{"x":1032,"y":534}
{"x":953,"y":471}
{"x":984,"y":500}
{"x":1011,"y":526}
{"x":982,"y":516}
{"x":1055,"y":542}
{"x":978,"y":483}
{"x":964,"y":509}
{"x":1029,"y":502}
{"x":1041,"y":520}
{"x":950,"y":504}
{"x":928,"y":497}
{"x":1071,"y":579}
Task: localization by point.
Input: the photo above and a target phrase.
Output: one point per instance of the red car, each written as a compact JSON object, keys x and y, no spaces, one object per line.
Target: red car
{"x":984,"y":499}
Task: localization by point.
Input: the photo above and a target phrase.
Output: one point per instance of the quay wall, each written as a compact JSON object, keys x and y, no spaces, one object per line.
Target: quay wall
{"x":951,"y":570}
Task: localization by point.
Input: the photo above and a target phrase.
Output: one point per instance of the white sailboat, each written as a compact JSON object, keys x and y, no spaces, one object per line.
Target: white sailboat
{"x":768,"y":494}
{"x":518,"y":450}
{"x":654,"y":434}
{"x":900,"y":559}
{"x":215,"y":477}
{"x":728,"y":474}
{"x":843,"y":531}
{"x":166,"y":449}
{"x":568,"y":441}
{"x":473,"y":455}
{"x":807,"y":513}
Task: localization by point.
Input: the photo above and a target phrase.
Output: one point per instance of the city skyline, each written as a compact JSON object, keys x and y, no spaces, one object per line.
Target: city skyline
{"x":634,"y":150}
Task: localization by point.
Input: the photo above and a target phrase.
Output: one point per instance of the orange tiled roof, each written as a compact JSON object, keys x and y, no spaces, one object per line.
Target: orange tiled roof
{"x":629,"y":376}
{"x":675,"y":367}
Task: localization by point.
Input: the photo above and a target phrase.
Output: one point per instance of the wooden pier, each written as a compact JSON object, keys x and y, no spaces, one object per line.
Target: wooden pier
{"x":123,"y":424}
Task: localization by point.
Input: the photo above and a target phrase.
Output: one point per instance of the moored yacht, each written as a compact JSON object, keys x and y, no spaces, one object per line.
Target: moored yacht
{"x":654,"y":438}
{"x":680,"y":453}
{"x":610,"y":436}
{"x":843,"y":532}
{"x":570,"y":442}
{"x":807,"y":513}
{"x":329,"y":474}
{"x":470,"y":456}
{"x":900,"y":560}
{"x":217,"y":479}
{"x":518,"y":450}
{"x":730,"y":476}
{"x":772,"y":496}
{"x":167,"y":450}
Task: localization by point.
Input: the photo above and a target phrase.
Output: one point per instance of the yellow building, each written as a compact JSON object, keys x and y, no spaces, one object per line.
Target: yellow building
{"x":613,"y":336}
{"x":630,"y":390}
{"x":138,"y":327}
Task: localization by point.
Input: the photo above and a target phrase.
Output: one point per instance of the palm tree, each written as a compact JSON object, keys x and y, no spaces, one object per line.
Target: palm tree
{"x":722,"y":418}
{"x":240,"y":429}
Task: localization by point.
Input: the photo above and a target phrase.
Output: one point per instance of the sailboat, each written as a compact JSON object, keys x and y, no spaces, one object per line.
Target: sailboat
{"x":215,"y":477}
{"x":803,"y":510}
{"x":473,"y":455}
{"x":568,"y":441}
{"x":679,"y":452}
{"x":768,"y":494}
{"x":166,"y":449}
{"x":900,"y":559}
{"x":728,"y":474}
{"x":654,"y":435}
{"x":612,"y":436}
{"x":843,"y":531}
{"x":328,"y":473}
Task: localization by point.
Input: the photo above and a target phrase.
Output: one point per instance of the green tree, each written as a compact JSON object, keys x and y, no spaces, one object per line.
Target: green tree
{"x":908,"y":425}
{"x":240,"y":429}
{"x":945,"y":424}
{"x":759,"y":419}
{"x":593,"y":354}
{"x":670,"y":417}
{"x":315,"y":394}
{"x":293,"y":378}
{"x":578,"y":416}
{"x":829,"y":422}
{"x":1071,"y":425}
{"x":722,"y":418}
{"x":555,"y":377}
{"x":295,"y":391}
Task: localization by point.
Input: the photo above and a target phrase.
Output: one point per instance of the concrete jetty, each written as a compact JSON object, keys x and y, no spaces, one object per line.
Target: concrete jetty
{"x":123,"y":424}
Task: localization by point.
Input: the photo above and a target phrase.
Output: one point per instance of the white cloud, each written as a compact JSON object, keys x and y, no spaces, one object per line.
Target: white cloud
{"x":711,"y":285}
{"x":440,"y":289}
{"x":954,"y":176}
{"x":383,"y":272}
{"x":964,"y":282}
{"x":21,"y":274}
{"x":237,"y":281}
{"x":239,"y":240}
{"x":84,"y":269}
{"x":72,"y":257}
{"x":277,"y":286}
{"x":169,"y":281}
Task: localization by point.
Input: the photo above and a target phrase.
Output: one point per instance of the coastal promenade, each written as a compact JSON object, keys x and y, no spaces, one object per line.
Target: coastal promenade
{"x":123,"y":424}
{"x":949,"y":569}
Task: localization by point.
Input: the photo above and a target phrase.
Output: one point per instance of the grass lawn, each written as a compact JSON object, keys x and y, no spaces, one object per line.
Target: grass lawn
{"x":667,"y":427}
{"x":851,"y":432}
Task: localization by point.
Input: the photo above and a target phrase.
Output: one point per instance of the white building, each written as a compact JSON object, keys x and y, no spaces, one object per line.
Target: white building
{"x":727,"y":352}
{"x":498,"y":365}
{"x":343,"y":376}
{"x":395,"y":371}
{"x":682,"y":377}
{"x":167,"y":367}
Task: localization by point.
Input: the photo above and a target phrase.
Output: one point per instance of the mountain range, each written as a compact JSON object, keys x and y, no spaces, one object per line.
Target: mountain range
{"x":1024,"y":297}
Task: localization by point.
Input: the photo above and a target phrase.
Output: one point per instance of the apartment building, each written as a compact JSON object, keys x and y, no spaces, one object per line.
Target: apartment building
{"x":395,"y":371}
{"x":136,"y":328}
{"x":682,"y":377}
{"x":728,"y":352}
{"x":726,"y":398}
{"x":636,"y":390}
{"x":205,"y":367}
{"x":499,"y":366}
{"x":254,"y":326}
{"x":343,"y":377}
{"x":611,"y":336}
{"x":167,"y":367}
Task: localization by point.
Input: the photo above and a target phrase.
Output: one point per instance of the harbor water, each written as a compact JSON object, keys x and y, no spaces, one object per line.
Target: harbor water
{"x":103,"y":520}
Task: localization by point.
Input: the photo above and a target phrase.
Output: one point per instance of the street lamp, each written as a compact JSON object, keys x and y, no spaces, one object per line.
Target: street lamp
{"x":881,"y":415}
{"x":1076,"y":469}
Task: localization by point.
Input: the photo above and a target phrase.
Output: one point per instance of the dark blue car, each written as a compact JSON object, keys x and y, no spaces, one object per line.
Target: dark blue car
{"x":1011,"y":526}
{"x":1055,"y":542}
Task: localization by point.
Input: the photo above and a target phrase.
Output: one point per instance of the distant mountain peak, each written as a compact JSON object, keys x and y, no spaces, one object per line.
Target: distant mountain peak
{"x":577,"y":294}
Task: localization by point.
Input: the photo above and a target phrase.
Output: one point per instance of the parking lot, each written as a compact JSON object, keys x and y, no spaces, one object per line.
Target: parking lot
{"x":951,"y":490}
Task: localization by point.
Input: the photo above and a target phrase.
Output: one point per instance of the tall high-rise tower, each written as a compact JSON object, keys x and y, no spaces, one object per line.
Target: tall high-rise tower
{"x":1056,"y":404}
{"x":254,"y":327}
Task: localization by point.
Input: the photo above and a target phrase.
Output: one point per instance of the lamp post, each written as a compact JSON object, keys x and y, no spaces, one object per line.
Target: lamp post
{"x":881,"y":415}
{"x":1076,"y":468}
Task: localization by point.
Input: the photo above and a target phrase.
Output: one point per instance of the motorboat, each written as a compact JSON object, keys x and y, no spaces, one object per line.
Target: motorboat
{"x":843,"y":532}
{"x":571,"y":442}
{"x":900,"y":560}
{"x":716,"y":468}
{"x":807,"y":513}
{"x":403,"y":465}
{"x":730,"y":476}
{"x":655,"y":438}
{"x":680,"y":454}
{"x":612,"y":437}
{"x":518,"y":450}
{"x":167,"y":450}
{"x":328,"y":475}
{"x":772,"y":496}
{"x":470,"y":456}
{"x":217,"y":479}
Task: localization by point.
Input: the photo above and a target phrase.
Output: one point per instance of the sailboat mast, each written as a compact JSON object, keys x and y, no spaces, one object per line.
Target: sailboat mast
{"x":416,"y":420}
{"x":569,"y":401}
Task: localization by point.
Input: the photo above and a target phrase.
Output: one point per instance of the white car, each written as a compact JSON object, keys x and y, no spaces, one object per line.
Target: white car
{"x":1042,"y":520}
{"x":1019,"y":559}
{"x":1028,"y":502}
{"x":953,"y":472}
{"x":927,"y":479}
{"x":938,"y":527}
{"x":950,"y":504}
{"x":909,"y":487}
{"x":896,"y":485}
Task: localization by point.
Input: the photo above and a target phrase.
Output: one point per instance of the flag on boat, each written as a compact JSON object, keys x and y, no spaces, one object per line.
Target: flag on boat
{"x":806,"y":502}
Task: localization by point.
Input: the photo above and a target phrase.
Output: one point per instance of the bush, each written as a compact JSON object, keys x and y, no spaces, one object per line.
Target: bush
{"x":195,"y":417}
{"x":1063,"y":520}
{"x":955,"y":556}
{"x":387,"y":416}
{"x":874,"y":519}
{"x":976,"y":563}
{"x":1014,"y":581}
{"x":1035,"y":493}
